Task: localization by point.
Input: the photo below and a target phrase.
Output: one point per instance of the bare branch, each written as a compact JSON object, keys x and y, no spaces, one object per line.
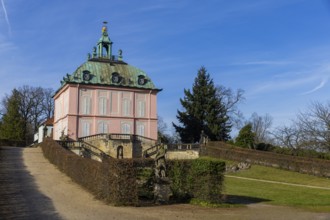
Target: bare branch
{"x":261,"y":126}
{"x":230,"y":100}
{"x":314,"y":124}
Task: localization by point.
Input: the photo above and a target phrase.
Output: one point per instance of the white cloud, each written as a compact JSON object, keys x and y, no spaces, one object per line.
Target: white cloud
{"x":271,"y":86}
{"x":297,"y":80}
{"x":6,"y":46}
{"x":6,"y":16}
{"x":263,"y":62}
{"x":318,"y":87}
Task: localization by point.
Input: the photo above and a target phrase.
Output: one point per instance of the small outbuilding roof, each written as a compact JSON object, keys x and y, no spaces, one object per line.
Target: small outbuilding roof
{"x":49,"y":122}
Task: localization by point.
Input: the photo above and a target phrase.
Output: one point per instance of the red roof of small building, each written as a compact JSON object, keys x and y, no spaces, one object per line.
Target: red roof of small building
{"x":49,"y":122}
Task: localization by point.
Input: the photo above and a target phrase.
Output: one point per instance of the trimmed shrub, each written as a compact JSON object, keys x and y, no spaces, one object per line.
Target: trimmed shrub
{"x":112,"y":180}
{"x":201,"y":179}
{"x":129,"y":181}
{"x":206,"y":178}
{"x":178,"y":173}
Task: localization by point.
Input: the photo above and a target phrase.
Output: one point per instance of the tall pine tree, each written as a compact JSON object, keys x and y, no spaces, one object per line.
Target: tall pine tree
{"x":203,"y":110}
{"x":12,"y":126}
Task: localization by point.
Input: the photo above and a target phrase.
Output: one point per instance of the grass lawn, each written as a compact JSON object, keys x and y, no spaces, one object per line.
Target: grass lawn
{"x":278,"y":194}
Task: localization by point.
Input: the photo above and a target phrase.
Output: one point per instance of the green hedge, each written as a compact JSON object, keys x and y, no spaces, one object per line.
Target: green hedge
{"x":112,"y":180}
{"x":201,"y":179}
{"x":131,"y":181}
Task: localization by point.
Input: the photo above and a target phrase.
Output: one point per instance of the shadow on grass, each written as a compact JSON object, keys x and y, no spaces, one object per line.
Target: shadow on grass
{"x":242,"y":200}
{"x":19,"y":194}
{"x":226,"y":200}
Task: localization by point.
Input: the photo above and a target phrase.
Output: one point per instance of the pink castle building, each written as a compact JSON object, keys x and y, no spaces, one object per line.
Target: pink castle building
{"x":105,"y":95}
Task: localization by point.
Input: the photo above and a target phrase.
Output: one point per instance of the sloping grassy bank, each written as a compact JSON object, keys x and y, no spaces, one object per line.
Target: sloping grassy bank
{"x":313,"y":199}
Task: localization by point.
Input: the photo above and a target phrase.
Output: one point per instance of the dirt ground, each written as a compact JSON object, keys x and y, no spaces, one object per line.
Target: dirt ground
{"x":32,"y":188}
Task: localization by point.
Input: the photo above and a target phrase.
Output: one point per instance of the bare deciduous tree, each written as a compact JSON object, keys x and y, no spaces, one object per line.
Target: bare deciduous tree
{"x":31,"y":104}
{"x":48,"y":103}
{"x":163,"y":134}
{"x":229,"y":100}
{"x":289,"y":136}
{"x":311,"y":129}
{"x":35,"y":105}
{"x":261,"y":127}
{"x":315,"y":126}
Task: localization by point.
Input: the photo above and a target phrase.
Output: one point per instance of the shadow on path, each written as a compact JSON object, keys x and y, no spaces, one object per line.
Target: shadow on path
{"x":243,"y":200}
{"x":19,"y":195}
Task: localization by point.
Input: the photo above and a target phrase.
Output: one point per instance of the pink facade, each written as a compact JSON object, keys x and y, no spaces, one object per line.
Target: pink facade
{"x":83,"y":110}
{"x":106,"y":95}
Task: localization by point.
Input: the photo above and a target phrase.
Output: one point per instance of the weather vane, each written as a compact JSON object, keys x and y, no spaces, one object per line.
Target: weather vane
{"x":104,"y":28}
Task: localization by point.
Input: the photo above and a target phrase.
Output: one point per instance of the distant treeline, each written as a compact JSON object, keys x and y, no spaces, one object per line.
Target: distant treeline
{"x":22,"y":111}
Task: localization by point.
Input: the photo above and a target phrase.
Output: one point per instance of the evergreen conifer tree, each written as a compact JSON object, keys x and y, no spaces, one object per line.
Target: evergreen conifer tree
{"x":12,"y":125}
{"x":246,"y":137}
{"x":203,"y":111}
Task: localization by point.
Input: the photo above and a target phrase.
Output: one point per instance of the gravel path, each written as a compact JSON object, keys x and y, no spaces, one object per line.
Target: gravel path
{"x":32,"y":188}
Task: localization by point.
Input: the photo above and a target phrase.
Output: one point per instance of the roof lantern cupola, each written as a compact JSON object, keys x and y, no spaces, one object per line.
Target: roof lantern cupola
{"x":104,"y":45}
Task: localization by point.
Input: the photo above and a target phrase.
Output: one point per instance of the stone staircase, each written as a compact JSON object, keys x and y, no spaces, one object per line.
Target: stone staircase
{"x":84,"y":149}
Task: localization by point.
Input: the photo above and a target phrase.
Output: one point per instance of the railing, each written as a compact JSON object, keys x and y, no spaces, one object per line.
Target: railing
{"x":144,"y":139}
{"x":117,"y":136}
{"x":83,"y":142}
{"x":121,"y":137}
{"x":94,"y":137}
{"x":93,"y":150}
{"x":183,"y":147}
{"x":171,"y":147}
{"x":71,"y":145}
{"x":151,"y":151}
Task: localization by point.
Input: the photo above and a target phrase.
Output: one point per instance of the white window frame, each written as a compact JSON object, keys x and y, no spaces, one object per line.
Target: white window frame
{"x":126,"y":128}
{"x":141,"y":108}
{"x":114,"y":100}
{"x":103,"y":102}
{"x":126,"y":107}
{"x":86,"y":105}
{"x":140,"y":129}
{"x":102,"y":127}
{"x":86,"y":128}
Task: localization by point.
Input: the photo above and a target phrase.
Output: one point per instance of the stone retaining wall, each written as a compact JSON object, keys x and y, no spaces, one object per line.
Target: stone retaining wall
{"x":313,"y":166}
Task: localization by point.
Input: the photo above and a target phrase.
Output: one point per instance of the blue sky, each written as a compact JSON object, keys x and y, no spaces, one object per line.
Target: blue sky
{"x":277,"y":51}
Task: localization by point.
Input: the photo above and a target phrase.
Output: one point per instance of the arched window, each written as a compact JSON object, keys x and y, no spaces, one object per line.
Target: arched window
{"x":86,"y":105}
{"x":126,"y":107}
{"x":85,"y":101}
{"x":86,"y":128}
{"x":140,"y":129}
{"x":125,"y":128}
{"x":141,"y":105}
{"x":102,"y":127}
{"x":102,"y":105}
